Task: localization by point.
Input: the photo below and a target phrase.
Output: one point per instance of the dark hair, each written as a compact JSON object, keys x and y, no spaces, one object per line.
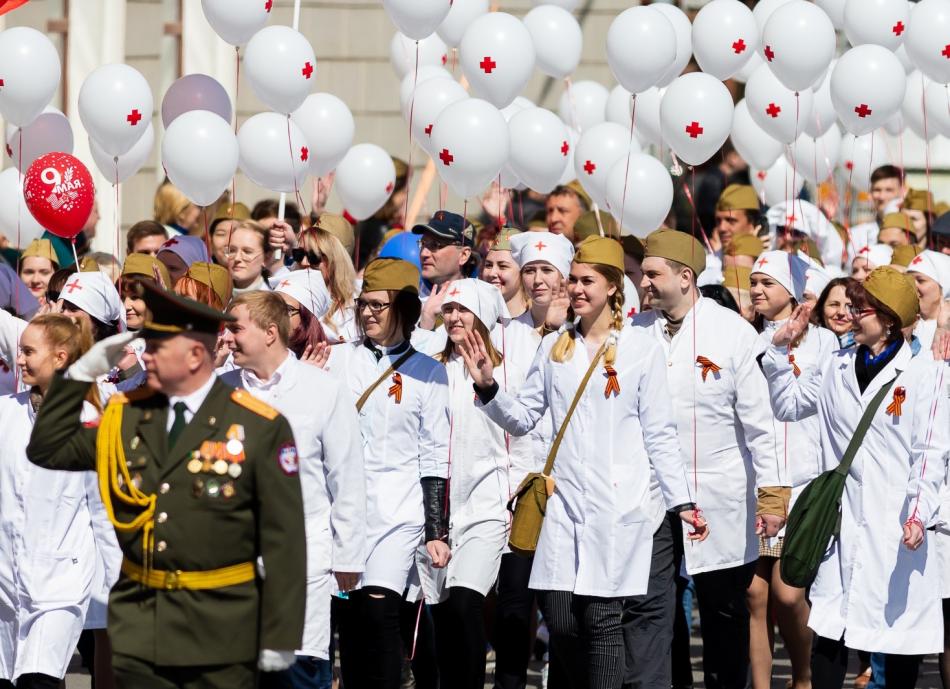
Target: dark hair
{"x":721,"y":295}
{"x":860,"y":296}
{"x":309,"y":332}
{"x":141,"y":230}
{"x":818,"y":313}
{"x":100,"y":330}
{"x":406,"y":308}
{"x":887,"y":172}
{"x":267,"y":208}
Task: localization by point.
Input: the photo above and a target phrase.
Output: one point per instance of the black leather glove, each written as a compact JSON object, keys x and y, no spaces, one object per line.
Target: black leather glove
{"x":435,"y":505}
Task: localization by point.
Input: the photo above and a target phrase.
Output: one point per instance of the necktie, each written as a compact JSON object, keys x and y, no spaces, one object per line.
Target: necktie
{"x":178,"y":425}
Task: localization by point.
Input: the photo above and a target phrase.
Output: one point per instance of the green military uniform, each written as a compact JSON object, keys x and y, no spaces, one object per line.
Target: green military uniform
{"x":191,"y":516}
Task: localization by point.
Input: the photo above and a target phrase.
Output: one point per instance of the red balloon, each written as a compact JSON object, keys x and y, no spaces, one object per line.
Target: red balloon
{"x":59,"y":192}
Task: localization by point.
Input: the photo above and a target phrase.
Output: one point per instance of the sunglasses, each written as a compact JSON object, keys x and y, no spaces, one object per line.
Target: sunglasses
{"x":312,"y":257}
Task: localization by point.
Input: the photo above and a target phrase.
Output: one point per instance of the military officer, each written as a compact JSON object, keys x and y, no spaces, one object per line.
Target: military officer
{"x":199,"y":479}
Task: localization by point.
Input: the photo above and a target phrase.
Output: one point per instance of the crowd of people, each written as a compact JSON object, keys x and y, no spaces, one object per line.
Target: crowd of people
{"x":671,"y":398}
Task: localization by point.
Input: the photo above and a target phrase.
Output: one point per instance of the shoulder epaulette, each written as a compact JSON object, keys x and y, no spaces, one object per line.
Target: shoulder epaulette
{"x":136,"y":395}
{"x":248,"y":401}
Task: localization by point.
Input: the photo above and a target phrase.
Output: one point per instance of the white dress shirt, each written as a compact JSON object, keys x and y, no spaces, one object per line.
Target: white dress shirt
{"x":192,"y":402}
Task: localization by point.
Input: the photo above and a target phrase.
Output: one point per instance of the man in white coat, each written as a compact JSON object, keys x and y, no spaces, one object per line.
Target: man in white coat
{"x":731,"y":450}
{"x":324,"y":422}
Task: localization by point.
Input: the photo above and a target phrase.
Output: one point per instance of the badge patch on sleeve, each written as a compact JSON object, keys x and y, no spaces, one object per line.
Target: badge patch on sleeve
{"x":288,"y":460}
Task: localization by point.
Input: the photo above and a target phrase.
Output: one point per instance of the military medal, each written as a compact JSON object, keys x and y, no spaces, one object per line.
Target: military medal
{"x":235,"y":447}
{"x":194,"y":466}
{"x":220,"y":467}
{"x":198,"y":487}
{"x":214,"y":488}
{"x":135,"y":443}
{"x":234,"y":470}
{"x":227,"y":490}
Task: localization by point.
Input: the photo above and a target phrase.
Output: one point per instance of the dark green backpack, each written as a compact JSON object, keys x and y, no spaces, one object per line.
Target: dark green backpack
{"x":816,"y":516}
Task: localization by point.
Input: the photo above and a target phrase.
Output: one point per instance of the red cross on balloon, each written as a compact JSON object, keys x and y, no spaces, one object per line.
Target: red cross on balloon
{"x":446,"y":157}
{"x":589,"y":167}
{"x":487,"y":65}
{"x":739,"y":47}
{"x":694,"y":130}
{"x":307,"y":70}
{"x":134,"y":117}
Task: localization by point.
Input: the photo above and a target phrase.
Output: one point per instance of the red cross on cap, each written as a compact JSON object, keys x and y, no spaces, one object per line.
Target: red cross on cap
{"x":864,"y":250}
{"x":540,"y":245}
{"x":446,"y":157}
{"x":773,"y":110}
{"x":455,"y":292}
{"x":632,"y":312}
{"x":307,"y":70}
{"x":917,"y":259}
{"x":74,"y":285}
{"x":171,"y":242}
{"x":789,"y":219}
{"x":487,"y":65}
{"x":898,"y":28}
{"x":739,"y":47}
{"x":589,"y":167}
{"x":763,"y":261}
{"x":134,"y":117}
{"x":284,"y":283}
{"x":694,"y":130}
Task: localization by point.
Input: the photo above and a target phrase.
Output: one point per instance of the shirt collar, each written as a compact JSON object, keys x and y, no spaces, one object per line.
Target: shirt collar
{"x":252,"y":381}
{"x":194,"y":401}
{"x":380,"y":352}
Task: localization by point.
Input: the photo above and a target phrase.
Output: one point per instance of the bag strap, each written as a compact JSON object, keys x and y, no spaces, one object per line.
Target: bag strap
{"x":549,"y":464}
{"x":863,"y":426}
{"x":388,"y":372}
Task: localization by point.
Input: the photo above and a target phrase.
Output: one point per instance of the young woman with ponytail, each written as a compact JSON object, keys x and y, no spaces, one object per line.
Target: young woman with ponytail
{"x":58,"y":548}
{"x":596,"y":541}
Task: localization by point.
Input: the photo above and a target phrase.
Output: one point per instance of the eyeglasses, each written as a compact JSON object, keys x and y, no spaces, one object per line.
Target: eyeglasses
{"x":432,"y":244}
{"x":244,"y":254}
{"x":375,"y":307}
{"x":292,"y":311}
{"x":312,"y":257}
{"x":857,"y":313}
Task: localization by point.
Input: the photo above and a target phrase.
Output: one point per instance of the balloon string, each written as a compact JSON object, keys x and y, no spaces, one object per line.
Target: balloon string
{"x":502,"y":195}
{"x":569,"y":87}
{"x":290,"y":147}
{"x":75,"y":255}
{"x":412,"y":107}
{"x":696,"y":221}
{"x":626,"y":172}
{"x":204,"y":215}
{"x":115,"y":208}
{"x":923,"y":107}
{"x":237,"y":91}
{"x":520,"y":210}
{"x":16,"y":292}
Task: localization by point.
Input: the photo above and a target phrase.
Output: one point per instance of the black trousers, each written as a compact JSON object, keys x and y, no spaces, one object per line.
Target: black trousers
{"x":418,"y":635}
{"x":460,"y":639}
{"x":370,"y":640}
{"x":135,"y":673}
{"x":586,"y":639}
{"x":724,"y":625}
{"x":648,"y":619}
{"x":33,"y":680}
{"x":511,"y":637}
{"x":829,"y":665}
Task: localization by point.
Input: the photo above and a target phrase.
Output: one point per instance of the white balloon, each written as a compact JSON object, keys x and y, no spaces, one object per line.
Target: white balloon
{"x":127,"y":164}
{"x":584,"y":104}
{"x":598,"y":149}
{"x":539,"y":148}
{"x":835,"y":11}
{"x":896,"y":125}
{"x":115,"y":106}
{"x":417,"y":18}
{"x":647,"y":126}
{"x":867,"y":87}
{"x":684,"y":41}
{"x":569,"y":175}
{"x":462,"y":13}
{"x":912,"y":107}
{"x":742,"y":76}
{"x":619,"y":106}
{"x":776,"y":109}
{"x":751,"y":141}
{"x":507,"y":177}
{"x":882,"y":22}
{"x":268,"y":158}
{"x":725,"y":37}
{"x":195,"y":92}
{"x":497,"y":57}
{"x":200,"y":155}
{"x":649,"y":194}
{"x":236,"y":20}
{"x":364,"y":180}
{"x":823,"y":110}
{"x":432,"y":97}
{"x":16,"y":221}
{"x":860,"y":156}
{"x":641,"y":47}
{"x":30,"y":68}
{"x":798,"y":44}
{"x":402,"y":53}
{"x":816,"y":159}
{"x":411,"y":81}
{"x":471,"y":137}
{"x":938,"y":108}
{"x":777,"y":184}
{"x":280,"y":66}
{"x":696,"y":115}
{"x":328,"y":126}
{"x":764,"y":9}
{"x":927,"y":38}
{"x":557,"y":40}
{"x":48,"y":133}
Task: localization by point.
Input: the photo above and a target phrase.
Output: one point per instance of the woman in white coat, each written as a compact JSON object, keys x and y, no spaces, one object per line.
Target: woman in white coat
{"x":878,"y":588}
{"x":51,"y":526}
{"x":402,"y":400}
{"x":931,"y":274}
{"x":596,"y":542}
{"x":778,"y":282}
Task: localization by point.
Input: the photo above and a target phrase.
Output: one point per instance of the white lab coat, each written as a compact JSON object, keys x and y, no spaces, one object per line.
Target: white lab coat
{"x":725,"y":427}
{"x":402,"y":443}
{"x":597,"y":537}
{"x":323,"y":420}
{"x":58,"y":552}
{"x":870,"y":588}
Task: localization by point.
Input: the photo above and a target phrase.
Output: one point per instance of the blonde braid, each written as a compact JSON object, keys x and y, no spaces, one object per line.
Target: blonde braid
{"x":616,"y":310}
{"x":563,"y":349}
